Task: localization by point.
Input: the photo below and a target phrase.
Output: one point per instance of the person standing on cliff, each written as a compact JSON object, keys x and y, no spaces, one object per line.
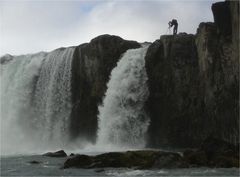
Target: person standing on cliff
{"x":175,"y":24}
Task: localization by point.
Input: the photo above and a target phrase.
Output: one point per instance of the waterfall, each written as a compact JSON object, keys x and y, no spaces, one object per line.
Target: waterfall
{"x":122,"y":120}
{"x":35,"y":101}
{"x":52,"y":100}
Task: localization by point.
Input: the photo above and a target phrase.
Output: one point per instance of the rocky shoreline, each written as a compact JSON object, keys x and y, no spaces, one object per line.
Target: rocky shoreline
{"x":213,"y":153}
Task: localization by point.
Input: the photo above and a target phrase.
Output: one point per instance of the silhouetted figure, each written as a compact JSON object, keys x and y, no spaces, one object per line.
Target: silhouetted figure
{"x":175,"y":24}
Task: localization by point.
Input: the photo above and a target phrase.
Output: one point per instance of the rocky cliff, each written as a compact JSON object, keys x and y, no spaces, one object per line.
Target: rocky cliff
{"x":194,"y":82}
{"x":92,"y":65}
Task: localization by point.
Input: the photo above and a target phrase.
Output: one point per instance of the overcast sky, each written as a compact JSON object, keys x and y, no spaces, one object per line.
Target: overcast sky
{"x":33,"y":26}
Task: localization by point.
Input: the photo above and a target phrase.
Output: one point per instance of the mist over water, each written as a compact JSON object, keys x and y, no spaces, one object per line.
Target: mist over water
{"x":122,"y":120}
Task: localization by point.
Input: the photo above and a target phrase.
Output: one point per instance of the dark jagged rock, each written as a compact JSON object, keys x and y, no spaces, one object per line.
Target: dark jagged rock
{"x":34,"y":162}
{"x":91,"y":68}
{"x":129,"y":159}
{"x":196,"y":158}
{"x":170,"y":161}
{"x":172,"y":68}
{"x":80,"y":161}
{"x":219,"y":78}
{"x":222,"y":17}
{"x":72,"y":154}
{"x":213,"y":153}
{"x":5,"y":59}
{"x":235,"y":17}
{"x":194,"y":83}
{"x":60,"y":153}
{"x":213,"y":146}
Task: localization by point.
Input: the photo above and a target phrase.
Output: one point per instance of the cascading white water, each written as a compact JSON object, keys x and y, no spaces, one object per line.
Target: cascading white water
{"x":52,"y":100}
{"x":122,"y":120}
{"x":35,"y":101}
{"x":17,"y":80}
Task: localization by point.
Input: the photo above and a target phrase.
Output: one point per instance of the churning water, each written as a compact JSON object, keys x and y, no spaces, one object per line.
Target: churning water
{"x":122,"y":119}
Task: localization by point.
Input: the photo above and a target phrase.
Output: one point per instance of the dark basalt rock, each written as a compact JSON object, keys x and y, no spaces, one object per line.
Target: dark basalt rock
{"x":213,"y":153}
{"x":170,"y":161}
{"x":5,"y":59}
{"x":129,"y":159}
{"x":222,"y":17}
{"x":34,"y":162}
{"x":60,"y":153}
{"x":213,"y":146}
{"x":80,"y":161}
{"x":72,"y":154}
{"x":172,"y":68}
{"x":196,"y":158}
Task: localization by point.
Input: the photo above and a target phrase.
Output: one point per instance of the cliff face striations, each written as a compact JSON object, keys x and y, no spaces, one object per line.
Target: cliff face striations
{"x":194,"y":82}
{"x":172,"y":68}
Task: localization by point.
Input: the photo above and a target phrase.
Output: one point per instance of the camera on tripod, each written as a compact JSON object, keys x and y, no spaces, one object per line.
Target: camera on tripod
{"x":169,"y":24}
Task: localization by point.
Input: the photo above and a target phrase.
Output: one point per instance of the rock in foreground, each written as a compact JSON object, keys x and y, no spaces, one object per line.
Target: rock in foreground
{"x":130,"y":159}
{"x":60,"y":153}
{"x":212,"y":153}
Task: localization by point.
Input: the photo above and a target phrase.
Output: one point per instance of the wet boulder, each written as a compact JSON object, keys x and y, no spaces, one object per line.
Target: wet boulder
{"x":59,"y":153}
{"x":34,"y":162}
{"x":79,"y":161}
{"x":213,"y":153}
